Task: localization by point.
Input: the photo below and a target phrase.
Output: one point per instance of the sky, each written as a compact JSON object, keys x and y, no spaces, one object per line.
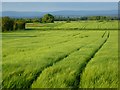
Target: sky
{"x":60,"y":0}
{"x":57,"y":6}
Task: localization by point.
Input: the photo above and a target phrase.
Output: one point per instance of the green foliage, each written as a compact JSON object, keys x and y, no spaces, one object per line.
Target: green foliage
{"x":68,"y":20}
{"x":10,"y":24}
{"x":7,"y":24}
{"x":19,"y":25}
{"x":105,"y":18}
{"x":102,"y":18}
{"x":48,"y":18}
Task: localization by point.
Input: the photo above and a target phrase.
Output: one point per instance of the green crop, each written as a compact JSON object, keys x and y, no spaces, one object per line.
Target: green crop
{"x":61,"y":55}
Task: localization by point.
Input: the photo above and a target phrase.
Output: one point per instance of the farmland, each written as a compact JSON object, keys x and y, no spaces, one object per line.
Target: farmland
{"x":61,"y":55}
{"x":75,"y":25}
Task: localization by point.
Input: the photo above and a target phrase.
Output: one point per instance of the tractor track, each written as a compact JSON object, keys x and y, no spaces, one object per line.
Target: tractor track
{"x":59,"y":59}
{"x":78,"y":78}
{"x":37,"y":74}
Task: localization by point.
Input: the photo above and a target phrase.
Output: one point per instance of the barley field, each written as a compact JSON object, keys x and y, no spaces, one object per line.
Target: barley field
{"x":61,"y":55}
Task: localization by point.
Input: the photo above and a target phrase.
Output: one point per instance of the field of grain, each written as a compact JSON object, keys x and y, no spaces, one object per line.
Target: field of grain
{"x":63,"y":57}
{"x":75,"y":25}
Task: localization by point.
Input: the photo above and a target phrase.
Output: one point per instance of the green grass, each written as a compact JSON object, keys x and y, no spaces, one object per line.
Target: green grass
{"x":56,"y":58}
{"x":43,"y":25}
{"x":81,"y":25}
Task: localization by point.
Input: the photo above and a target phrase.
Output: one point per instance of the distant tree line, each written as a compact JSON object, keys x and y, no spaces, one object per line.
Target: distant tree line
{"x":11,"y":24}
{"x":47,"y":18}
{"x":62,"y":18}
{"x":68,"y":19}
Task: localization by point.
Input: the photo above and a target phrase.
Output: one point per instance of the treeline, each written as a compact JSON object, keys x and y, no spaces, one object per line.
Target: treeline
{"x":61,"y":18}
{"x":47,"y":18}
{"x":11,"y":24}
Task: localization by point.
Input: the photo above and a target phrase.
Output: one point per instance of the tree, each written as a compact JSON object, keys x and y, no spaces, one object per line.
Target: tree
{"x":7,"y":24}
{"x":68,"y":20}
{"x":10,"y":24}
{"x":48,"y":18}
{"x":19,"y":24}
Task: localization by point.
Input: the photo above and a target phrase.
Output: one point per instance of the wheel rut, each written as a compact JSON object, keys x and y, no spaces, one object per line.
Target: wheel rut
{"x":59,"y":59}
{"x":78,"y":78}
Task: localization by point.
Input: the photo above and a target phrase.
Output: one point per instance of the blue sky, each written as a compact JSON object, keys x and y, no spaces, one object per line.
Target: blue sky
{"x":57,"y":6}
{"x":60,"y":0}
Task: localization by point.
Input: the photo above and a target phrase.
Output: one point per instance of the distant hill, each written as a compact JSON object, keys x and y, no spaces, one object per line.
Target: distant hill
{"x":61,"y":13}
